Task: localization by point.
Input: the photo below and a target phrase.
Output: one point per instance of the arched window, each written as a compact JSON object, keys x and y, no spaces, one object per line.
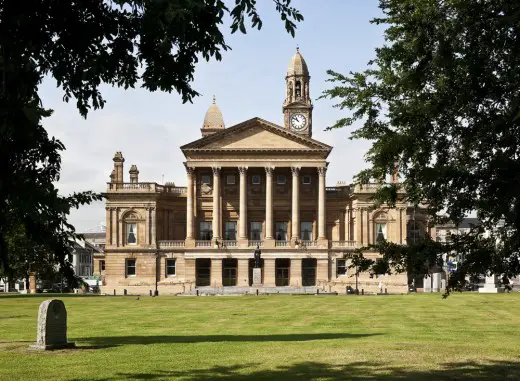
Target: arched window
{"x":298,"y":90}
{"x":131,"y":222}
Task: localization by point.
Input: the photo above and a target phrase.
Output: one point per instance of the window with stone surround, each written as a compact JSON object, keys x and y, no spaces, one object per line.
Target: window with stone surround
{"x":256,"y":231}
{"x":101,"y":266}
{"x":380,"y":232}
{"x":230,"y":180}
{"x":341,"y":267}
{"x":281,"y":179}
{"x":255,"y":179}
{"x":281,"y":231}
{"x":170,"y":267}
{"x":306,"y":179}
{"x":205,"y":230}
{"x":130,"y":267}
{"x":131,"y":233}
{"x":205,"y":179}
{"x":230,"y":232}
{"x":306,"y":230}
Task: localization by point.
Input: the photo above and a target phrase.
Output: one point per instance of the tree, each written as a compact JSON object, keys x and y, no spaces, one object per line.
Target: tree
{"x":441,"y":101}
{"x":83,"y":44}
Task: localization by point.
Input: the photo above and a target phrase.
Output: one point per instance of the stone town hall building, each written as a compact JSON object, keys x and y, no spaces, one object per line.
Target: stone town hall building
{"x":253,"y":184}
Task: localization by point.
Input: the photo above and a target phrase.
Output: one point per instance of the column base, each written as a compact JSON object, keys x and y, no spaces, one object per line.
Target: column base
{"x":189,"y":243}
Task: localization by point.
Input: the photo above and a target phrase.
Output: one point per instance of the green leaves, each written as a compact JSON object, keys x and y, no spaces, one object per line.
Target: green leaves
{"x":442,"y":98}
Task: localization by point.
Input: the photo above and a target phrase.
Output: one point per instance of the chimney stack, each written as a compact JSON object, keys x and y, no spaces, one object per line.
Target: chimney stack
{"x":134,"y":174}
{"x":118,"y":166}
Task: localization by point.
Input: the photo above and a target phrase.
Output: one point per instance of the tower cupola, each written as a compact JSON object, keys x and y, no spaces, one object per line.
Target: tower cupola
{"x":213,"y":120}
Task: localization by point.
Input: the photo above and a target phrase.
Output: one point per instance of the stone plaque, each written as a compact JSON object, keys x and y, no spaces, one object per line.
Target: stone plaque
{"x":52,"y":326}
{"x":257,"y":277}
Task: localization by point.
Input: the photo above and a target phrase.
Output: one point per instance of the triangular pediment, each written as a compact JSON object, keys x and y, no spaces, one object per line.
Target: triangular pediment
{"x":256,"y":134}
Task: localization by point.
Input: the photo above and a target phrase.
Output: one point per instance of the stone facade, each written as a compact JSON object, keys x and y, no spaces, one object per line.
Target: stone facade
{"x":254,"y":183}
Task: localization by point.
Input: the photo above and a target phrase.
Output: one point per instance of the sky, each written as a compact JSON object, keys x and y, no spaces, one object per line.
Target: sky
{"x":249,"y":82}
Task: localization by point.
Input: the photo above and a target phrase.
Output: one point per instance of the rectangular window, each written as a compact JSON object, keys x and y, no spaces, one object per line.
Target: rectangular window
{"x":306,"y":179}
{"x":380,"y":232}
{"x":341,"y":267}
{"x":231,"y":231}
{"x":130,"y":267}
{"x":230,"y":179}
{"x":206,"y":231}
{"x":306,"y":231}
{"x":256,"y":231}
{"x":255,"y":179}
{"x":101,"y":266}
{"x":170,"y":267}
{"x":281,"y":231}
{"x":205,"y":179}
{"x":131,"y":234}
{"x":280,"y":179}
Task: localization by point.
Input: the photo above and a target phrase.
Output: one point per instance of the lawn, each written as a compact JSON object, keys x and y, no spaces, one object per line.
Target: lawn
{"x":407,"y":337}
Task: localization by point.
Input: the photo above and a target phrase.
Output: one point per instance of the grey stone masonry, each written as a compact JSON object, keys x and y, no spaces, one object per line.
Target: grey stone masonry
{"x":52,"y":326}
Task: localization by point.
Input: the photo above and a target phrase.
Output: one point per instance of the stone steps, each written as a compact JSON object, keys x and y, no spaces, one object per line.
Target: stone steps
{"x":261,"y":291}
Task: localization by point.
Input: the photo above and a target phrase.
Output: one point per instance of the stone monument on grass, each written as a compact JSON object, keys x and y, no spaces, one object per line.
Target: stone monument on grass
{"x":491,"y":286}
{"x":52,"y":326}
{"x":257,"y":269}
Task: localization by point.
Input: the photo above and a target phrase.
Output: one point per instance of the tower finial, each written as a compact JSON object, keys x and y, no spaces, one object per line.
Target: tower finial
{"x":297,"y":48}
{"x":213,"y":99}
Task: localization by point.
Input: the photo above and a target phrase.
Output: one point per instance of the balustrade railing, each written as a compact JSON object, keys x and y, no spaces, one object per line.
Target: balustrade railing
{"x":146,"y":187}
{"x":309,"y":243}
{"x":200,"y":243}
{"x":229,"y":243}
{"x":167,"y":244}
{"x":255,"y":243}
{"x":343,"y":243}
{"x":280,"y":243}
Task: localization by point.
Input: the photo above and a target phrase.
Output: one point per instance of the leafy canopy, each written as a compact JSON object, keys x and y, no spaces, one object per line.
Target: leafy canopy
{"x":441,"y":99}
{"x":83,"y":44}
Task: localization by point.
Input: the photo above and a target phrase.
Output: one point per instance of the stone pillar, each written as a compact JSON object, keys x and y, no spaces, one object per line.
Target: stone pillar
{"x":189,"y":204}
{"x":32,"y":283}
{"x":322,"y":271}
{"x":436,"y":282}
{"x":295,"y":279}
{"x":134,"y":174}
{"x":347,"y":225}
{"x":216,"y":273}
{"x":118,"y":167}
{"x":427,"y":284}
{"x":154,"y":227}
{"x":269,"y":273}
{"x":269,"y":203}
{"x":295,"y":220}
{"x":242,"y":216}
{"x":243,"y":273}
{"x":322,"y":217}
{"x":216,"y":204}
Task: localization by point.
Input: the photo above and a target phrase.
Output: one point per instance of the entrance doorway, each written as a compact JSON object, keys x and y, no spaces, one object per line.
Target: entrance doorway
{"x":309,"y":272}
{"x":229,"y":272}
{"x":283,"y":268}
{"x":251,"y":266}
{"x":202,"y":272}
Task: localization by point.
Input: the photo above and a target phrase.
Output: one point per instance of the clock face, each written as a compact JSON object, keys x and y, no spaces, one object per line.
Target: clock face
{"x":298,"y":122}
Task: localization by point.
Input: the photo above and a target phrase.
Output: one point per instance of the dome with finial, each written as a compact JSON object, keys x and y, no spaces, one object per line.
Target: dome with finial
{"x":298,"y":66}
{"x":213,"y":118}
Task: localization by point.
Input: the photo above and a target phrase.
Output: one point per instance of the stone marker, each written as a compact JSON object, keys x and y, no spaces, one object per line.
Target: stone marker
{"x":52,"y":326}
{"x":257,"y":277}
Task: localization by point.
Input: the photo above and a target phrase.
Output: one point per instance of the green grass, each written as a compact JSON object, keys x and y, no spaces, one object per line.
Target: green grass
{"x":408,"y":337}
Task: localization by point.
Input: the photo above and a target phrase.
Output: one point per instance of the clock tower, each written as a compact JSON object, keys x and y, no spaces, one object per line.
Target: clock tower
{"x":297,"y":107}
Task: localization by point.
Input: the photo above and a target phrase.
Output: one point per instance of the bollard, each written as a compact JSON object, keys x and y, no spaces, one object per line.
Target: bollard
{"x":317,"y":291}
{"x":124,"y":292}
{"x":197,"y":292}
{"x":346,"y":290}
{"x":362,"y":291}
{"x":357,"y":291}
{"x":386,"y":291}
{"x":330,"y":288}
{"x":150,"y":292}
{"x":257,"y":292}
{"x":156,"y":293}
{"x":114,"y":292}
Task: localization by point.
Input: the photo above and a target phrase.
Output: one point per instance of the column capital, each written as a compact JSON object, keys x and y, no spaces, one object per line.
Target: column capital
{"x":189,"y":170}
{"x":242,"y":170}
{"x":269,"y":171}
{"x":295,"y":171}
{"x":322,"y":171}
{"x":216,"y":170}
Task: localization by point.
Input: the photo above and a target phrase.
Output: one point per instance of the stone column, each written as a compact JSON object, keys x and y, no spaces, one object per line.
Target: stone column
{"x":243,"y":273}
{"x":436,"y":282}
{"x":242,"y":216}
{"x":216,"y":273}
{"x":295,"y":279}
{"x":269,"y":202}
{"x":347,"y":225}
{"x":269,"y":273}
{"x":189,"y":203}
{"x":32,"y":283}
{"x":322,"y":217}
{"x":216,"y":205}
{"x":295,"y":220}
{"x":154,"y":227}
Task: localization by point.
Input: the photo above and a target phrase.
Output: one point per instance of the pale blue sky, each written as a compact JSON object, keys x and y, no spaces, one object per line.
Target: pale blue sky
{"x":149,"y":127}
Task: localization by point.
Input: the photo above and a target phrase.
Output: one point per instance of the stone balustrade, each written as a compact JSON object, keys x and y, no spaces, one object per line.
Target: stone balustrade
{"x":168,"y":244}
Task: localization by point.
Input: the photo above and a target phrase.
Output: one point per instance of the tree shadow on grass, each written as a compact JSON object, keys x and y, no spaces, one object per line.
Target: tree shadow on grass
{"x":114,"y":341}
{"x":309,"y":371}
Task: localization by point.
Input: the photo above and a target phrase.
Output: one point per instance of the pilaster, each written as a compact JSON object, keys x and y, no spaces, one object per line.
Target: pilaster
{"x":295,"y":220}
{"x":243,"y":273}
{"x":269,"y":203}
{"x":216,"y":273}
{"x":242,"y":222}
{"x":269,"y":273}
